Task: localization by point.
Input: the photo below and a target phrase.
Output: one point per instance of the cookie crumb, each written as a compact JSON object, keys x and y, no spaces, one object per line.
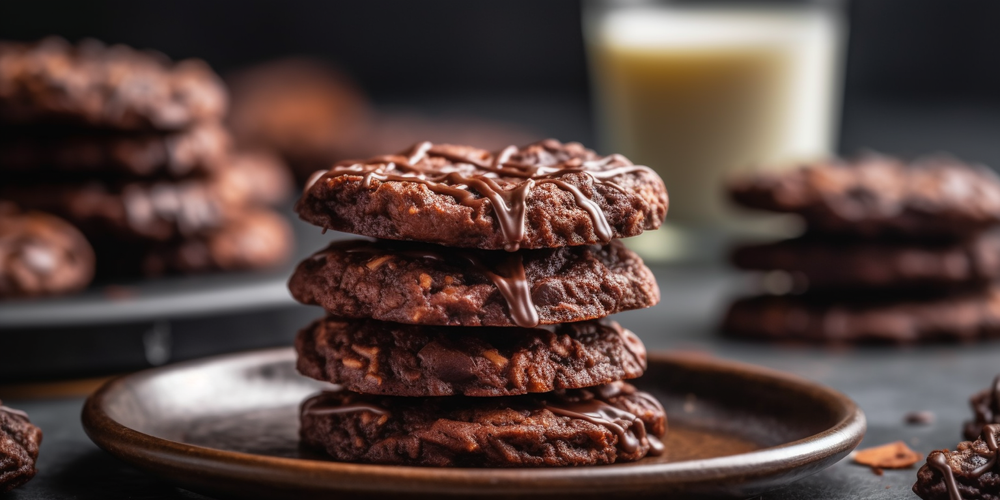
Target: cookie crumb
{"x":922,"y":417}
{"x":889,"y":456}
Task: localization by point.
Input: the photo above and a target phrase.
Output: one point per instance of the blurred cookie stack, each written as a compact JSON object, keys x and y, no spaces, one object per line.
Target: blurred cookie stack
{"x":129,"y":147}
{"x":449,"y":350}
{"x":893,"y":252}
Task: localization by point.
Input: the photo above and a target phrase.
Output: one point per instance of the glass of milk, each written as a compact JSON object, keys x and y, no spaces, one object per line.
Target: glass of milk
{"x":698,"y":90}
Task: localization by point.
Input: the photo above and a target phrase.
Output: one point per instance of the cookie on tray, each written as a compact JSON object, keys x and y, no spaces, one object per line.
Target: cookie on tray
{"x":156,"y":210}
{"x":254,"y":238}
{"x":42,"y":153}
{"x":114,"y":87}
{"x":19,"y":441}
{"x":878,"y":196}
{"x":428,"y":284}
{"x":827,"y":263}
{"x":375,"y":357}
{"x":544,"y":195}
{"x":41,"y":254}
{"x":601,"y":425}
{"x":967,"y":315}
{"x":969,"y":472}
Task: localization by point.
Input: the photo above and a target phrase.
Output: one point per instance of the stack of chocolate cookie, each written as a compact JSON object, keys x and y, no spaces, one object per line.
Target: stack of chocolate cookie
{"x":129,"y":147}
{"x":471,"y":333}
{"x":893,"y":252}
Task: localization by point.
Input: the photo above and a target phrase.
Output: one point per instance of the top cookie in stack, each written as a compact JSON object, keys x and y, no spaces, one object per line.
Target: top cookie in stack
{"x":129,"y":147}
{"x":445,"y":311}
{"x":893,"y":252}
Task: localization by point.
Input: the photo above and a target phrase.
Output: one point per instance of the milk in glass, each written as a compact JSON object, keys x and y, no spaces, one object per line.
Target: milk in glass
{"x":698,"y":92}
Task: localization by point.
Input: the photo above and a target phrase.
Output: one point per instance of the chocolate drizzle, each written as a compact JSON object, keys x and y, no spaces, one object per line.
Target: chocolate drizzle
{"x":629,"y":428}
{"x":938,"y":460}
{"x":475,"y":179}
{"x":320,"y":406}
{"x":507,"y":275}
{"x":11,"y":411}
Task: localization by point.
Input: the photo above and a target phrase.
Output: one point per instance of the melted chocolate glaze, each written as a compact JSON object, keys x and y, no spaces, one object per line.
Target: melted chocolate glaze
{"x":507,"y":274}
{"x":938,"y":460}
{"x":477,"y":188}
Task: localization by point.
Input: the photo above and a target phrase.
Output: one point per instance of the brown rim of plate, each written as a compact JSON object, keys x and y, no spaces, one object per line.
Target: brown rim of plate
{"x":754,"y":471}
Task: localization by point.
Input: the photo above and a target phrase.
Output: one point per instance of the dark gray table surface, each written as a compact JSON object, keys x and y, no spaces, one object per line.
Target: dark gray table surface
{"x":887,"y":382}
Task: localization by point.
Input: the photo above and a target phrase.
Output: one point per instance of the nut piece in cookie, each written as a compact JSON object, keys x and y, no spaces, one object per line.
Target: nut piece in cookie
{"x":543,"y":195}
{"x":375,"y":357}
{"x":877,"y":196}
{"x":19,"y":441}
{"x":425,"y":284}
{"x":41,"y":254}
{"x":971,"y":471}
{"x":601,"y":425}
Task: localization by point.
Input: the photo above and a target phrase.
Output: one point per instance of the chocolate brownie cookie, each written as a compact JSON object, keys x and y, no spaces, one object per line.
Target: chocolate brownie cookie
{"x":99,"y":86}
{"x":151,"y":210}
{"x":543,"y":195}
{"x":825,"y":263}
{"x":427,"y":284}
{"x":969,"y":315}
{"x":375,"y":357}
{"x":985,"y":408}
{"x":19,"y":441}
{"x":196,"y":151}
{"x":251,"y":239}
{"x":879,"y":196}
{"x":601,"y":425}
{"x":970,"y":472}
{"x":41,"y":255}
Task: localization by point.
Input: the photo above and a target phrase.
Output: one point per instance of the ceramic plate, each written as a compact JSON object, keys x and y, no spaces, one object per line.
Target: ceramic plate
{"x":228,"y":426}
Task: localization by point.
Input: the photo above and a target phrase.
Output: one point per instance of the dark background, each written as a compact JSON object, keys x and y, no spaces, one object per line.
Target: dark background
{"x":921,"y":74}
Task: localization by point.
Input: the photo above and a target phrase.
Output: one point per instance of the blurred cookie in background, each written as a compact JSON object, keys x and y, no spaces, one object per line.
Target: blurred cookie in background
{"x":109,"y":87}
{"x":313,"y":115}
{"x":303,"y":109}
{"x":41,"y":255}
{"x":823,"y":263}
{"x":130,"y":147}
{"x":256,"y":238}
{"x":867,"y":318}
{"x":893,"y":251}
{"x":79,"y":153}
{"x":878,"y":196}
